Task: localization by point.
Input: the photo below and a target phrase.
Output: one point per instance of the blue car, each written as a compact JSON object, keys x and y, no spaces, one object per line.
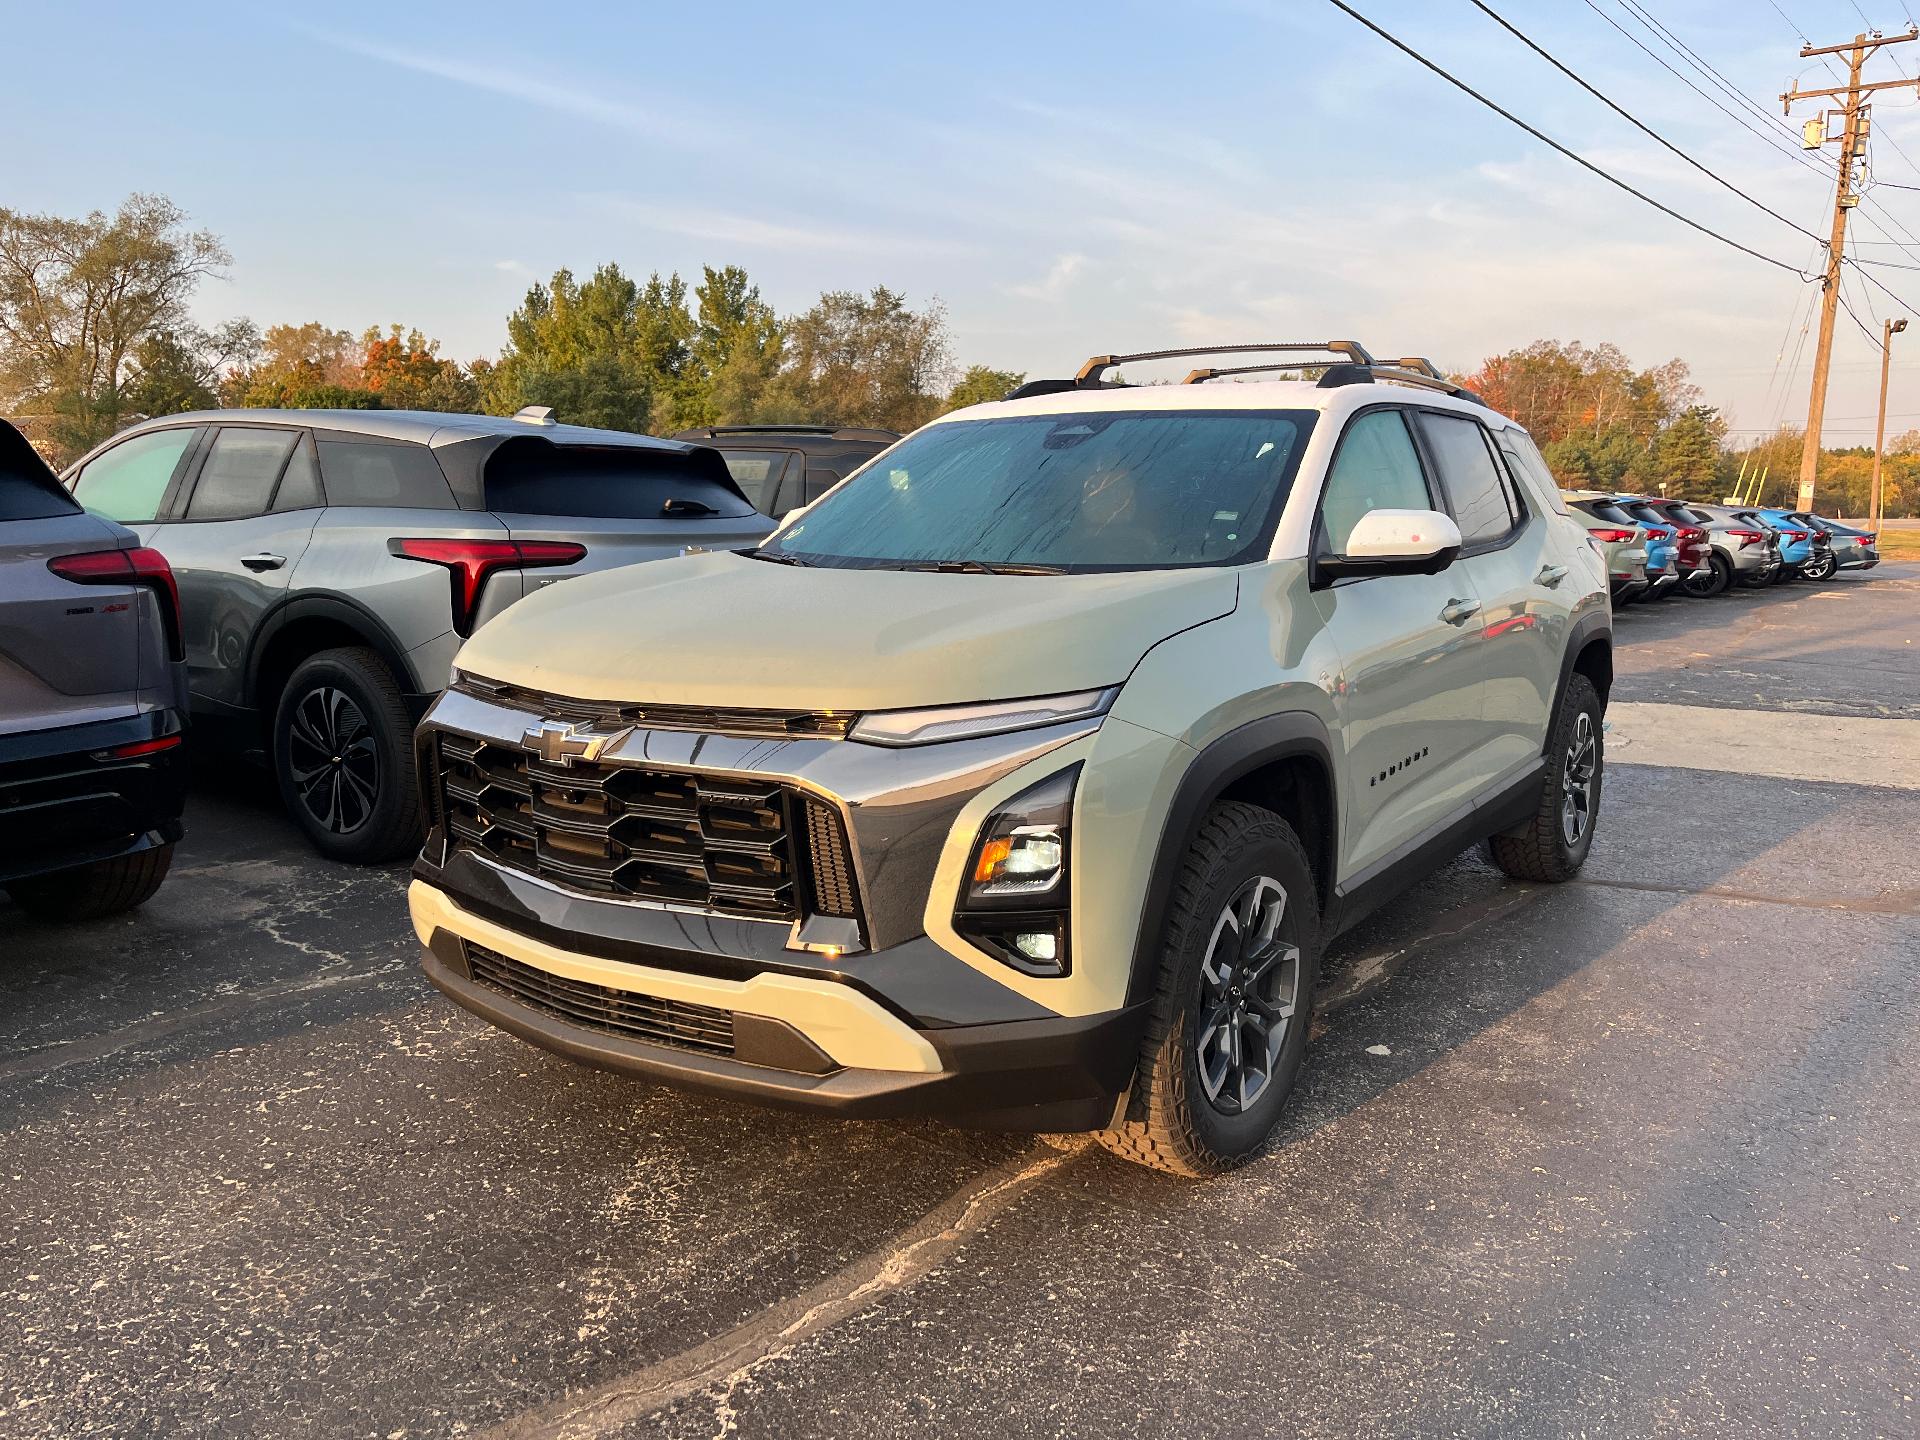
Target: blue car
{"x":1661,"y":538}
{"x":1796,"y":541}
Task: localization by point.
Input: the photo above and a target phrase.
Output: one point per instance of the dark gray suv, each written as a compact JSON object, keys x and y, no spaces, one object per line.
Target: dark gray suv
{"x":331,"y":562}
{"x":92,"y":701}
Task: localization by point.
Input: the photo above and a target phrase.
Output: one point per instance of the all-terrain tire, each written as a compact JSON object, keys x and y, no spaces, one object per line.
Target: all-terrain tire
{"x":1541,"y":849}
{"x":87,"y":892}
{"x":342,"y":715}
{"x":1170,"y":1123}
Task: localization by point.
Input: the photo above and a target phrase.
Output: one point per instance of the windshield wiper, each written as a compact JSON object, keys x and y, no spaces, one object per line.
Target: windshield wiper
{"x":678,"y":505}
{"x":982,"y":567}
{"x":778,"y":557}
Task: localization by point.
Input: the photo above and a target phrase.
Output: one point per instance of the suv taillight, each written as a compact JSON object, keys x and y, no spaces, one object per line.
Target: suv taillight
{"x":470,"y":562}
{"x":1613,"y":537}
{"x":138,"y":566}
{"x":1863,"y":539}
{"x":1748,"y":537}
{"x":1793,"y":537}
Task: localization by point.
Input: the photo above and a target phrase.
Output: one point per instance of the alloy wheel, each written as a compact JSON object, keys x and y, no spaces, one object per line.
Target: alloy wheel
{"x":1576,"y":780}
{"x":333,"y":761}
{"x":1249,"y":995}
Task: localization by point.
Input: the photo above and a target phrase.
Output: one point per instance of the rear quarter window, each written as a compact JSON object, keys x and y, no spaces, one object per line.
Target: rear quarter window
{"x":383,"y":474}
{"x":28,"y":495}
{"x":614,"y":482}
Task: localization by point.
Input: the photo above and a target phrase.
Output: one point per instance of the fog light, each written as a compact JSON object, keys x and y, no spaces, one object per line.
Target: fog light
{"x":1037,"y":945}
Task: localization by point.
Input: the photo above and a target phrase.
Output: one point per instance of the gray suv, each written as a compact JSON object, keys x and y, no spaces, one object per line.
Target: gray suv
{"x":331,"y":562}
{"x":92,"y":701}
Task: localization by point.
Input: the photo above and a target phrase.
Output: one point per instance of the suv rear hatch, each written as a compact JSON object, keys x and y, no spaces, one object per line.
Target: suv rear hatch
{"x":621,"y":504}
{"x":69,"y":651}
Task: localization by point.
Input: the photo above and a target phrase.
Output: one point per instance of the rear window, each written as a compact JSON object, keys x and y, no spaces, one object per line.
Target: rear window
{"x":385,"y":474}
{"x":1608,"y":511}
{"x":758,"y":472}
{"x":614,"y":482}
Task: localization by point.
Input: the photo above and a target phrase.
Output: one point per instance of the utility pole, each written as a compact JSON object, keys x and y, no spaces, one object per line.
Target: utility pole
{"x":1853,"y":144}
{"x":1888,"y":330}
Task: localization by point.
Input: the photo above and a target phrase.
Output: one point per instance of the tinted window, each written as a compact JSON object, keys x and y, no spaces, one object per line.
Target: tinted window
{"x":757,"y":473}
{"x":1093,"y":491}
{"x":300,"y":486}
{"x":1376,"y":468}
{"x":392,"y":475}
{"x":1607,"y":511}
{"x":240,"y":471}
{"x":128,"y":482}
{"x":535,"y":477}
{"x":1477,"y":487}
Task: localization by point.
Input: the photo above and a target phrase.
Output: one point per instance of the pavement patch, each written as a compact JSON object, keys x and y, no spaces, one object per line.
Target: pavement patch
{"x":1787,"y":745}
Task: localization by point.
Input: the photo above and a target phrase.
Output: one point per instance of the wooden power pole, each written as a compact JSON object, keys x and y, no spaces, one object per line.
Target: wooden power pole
{"x":1853,"y":143}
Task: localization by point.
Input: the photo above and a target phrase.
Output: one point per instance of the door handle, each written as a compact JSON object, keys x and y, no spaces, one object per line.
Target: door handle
{"x":1458,"y":612}
{"x":1550,"y":575}
{"x":263,"y":561}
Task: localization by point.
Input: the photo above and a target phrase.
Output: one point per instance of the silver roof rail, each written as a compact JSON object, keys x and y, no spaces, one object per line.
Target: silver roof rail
{"x":1091,"y":372}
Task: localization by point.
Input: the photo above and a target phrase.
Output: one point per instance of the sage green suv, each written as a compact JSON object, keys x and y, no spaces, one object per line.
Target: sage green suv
{"x":1021,"y":779}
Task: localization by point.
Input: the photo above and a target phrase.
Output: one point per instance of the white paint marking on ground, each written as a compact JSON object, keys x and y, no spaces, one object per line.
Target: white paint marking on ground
{"x":1851,"y":750}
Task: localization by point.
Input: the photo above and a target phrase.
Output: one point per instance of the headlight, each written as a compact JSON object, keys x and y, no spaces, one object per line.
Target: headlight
{"x":962,"y":722}
{"x":1014,"y":904}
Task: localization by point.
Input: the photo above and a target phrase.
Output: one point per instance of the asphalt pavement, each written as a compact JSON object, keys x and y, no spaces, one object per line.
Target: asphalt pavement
{"x":1635,"y":1155}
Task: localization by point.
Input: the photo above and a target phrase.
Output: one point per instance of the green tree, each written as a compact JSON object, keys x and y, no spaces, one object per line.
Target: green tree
{"x":864,"y":360}
{"x":181,"y":369}
{"x":1687,"y":454}
{"x":295,"y":361}
{"x":735,"y":353}
{"x":578,"y":347}
{"x":981,"y":384}
{"x":77,"y":298}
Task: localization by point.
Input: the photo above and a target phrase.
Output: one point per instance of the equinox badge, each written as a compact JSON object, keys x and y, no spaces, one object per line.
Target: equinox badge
{"x":561,"y":742}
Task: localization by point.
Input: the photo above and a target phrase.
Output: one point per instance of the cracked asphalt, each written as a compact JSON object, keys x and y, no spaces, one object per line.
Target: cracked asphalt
{"x":1635,"y":1155}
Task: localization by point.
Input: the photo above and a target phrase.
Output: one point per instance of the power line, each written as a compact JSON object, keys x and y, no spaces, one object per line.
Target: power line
{"x":1632,"y":119}
{"x":1647,"y":19}
{"x":1572,"y":155}
{"x":1768,"y":137}
{"x":1790,"y":25}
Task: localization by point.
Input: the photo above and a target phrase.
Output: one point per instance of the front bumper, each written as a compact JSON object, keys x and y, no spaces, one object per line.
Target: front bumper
{"x":800,"y":1037}
{"x":64,"y":802}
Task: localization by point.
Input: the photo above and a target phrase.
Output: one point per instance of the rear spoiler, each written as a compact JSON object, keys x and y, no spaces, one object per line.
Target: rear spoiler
{"x":20,"y":458}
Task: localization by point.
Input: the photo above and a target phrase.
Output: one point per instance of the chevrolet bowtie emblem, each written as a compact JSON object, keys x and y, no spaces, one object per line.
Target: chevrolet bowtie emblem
{"x":561,"y":742}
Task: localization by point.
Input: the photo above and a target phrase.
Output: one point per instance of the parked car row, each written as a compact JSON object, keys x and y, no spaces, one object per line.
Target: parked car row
{"x":1655,"y":546}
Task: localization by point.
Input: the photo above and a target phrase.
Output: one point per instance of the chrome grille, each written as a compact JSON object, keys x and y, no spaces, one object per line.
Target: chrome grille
{"x":601,"y":1007}
{"x":669,"y":836}
{"x":708,"y":719}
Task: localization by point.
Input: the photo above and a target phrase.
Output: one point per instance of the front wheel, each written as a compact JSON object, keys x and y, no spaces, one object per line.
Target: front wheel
{"x":1553,"y":845}
{"x":1228,"y":1026}
{"x":343,"y":754}
{"x":1711,"y":578}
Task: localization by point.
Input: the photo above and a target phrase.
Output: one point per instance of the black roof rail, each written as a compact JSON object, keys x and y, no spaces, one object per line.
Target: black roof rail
{"x":834,"y":432}
{"x":1040,"y":387}
{"x":1397,"y":374}
{"x":1091,"y":372}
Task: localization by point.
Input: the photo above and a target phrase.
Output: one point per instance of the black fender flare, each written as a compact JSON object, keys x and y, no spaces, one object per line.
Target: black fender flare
{"x":1238,"y":752}
{"x":1597,"y":625}
{"x":324,"y":606}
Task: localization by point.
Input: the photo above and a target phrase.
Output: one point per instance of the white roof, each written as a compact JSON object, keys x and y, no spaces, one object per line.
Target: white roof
{"x":1338,"y":400}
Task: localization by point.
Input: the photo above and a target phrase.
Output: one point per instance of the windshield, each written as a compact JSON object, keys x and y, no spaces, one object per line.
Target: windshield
{"x":1100,"y":491}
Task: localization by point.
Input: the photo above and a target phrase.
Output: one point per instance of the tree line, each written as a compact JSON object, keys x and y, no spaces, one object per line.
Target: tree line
{"x":95,"y":334}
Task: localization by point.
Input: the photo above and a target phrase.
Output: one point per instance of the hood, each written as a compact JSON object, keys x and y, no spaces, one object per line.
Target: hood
{"x":721,"y":629}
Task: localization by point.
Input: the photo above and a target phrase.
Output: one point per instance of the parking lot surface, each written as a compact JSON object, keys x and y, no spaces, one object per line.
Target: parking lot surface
{"x":1635,"y":1155}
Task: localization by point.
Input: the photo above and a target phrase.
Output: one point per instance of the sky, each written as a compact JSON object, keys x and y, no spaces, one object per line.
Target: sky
{"x":1065,"y":179}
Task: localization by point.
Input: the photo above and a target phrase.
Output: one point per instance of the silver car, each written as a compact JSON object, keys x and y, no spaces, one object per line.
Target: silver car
{"x":331,"y":562}
{"x":1744,"y":552}
{"x":92,"y":702}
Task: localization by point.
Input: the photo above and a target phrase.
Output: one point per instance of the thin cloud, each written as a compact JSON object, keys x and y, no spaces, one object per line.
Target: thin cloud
{"x":517,"y":84}
{"x":1053,"y":286}
{"x":753,"y":233}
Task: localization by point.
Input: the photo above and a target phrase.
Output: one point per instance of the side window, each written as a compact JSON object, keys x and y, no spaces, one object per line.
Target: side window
{"x":757,"y":473}
{"x":1375,"y":468}
{"x":1525,"y":459}
{"x":1476,"y":486}
{"x":128,"y":482}
{"x":300,"y":486}
{"x":241,"y":469}
{"x":392,"y":475}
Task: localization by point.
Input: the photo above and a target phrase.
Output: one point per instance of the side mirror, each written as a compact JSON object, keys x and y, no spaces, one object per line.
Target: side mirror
{"x":1394,"y":542}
